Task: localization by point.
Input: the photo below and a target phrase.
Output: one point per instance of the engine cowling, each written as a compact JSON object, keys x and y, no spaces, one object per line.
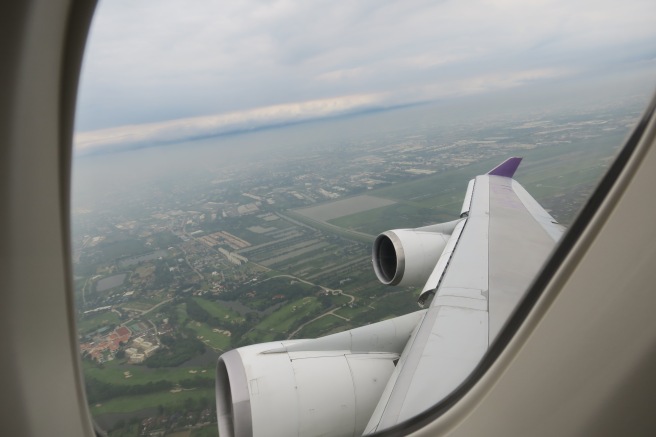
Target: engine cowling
{"x":298,"y":393}
{"x":407,"y":256}
{"x":324,"y":386}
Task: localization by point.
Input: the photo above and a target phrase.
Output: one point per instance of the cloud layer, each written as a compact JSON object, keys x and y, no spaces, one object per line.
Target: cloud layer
{"x":238,"y":121}
{"x":168,"y":70}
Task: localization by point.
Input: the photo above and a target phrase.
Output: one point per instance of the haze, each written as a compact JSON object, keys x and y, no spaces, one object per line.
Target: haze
{"x":165,"y":72}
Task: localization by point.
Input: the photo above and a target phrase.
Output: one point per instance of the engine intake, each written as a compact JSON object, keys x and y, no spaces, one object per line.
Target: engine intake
{"x":408,"y":256}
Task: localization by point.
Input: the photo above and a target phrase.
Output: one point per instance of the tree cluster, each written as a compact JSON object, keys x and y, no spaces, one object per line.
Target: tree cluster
{"x":178,"y":350}
{"x":98,"y":391}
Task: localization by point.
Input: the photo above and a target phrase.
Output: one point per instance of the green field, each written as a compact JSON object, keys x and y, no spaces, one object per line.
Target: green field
{"x":113,"y":372}
{"x":400,"y":215}
{"x":126,"y":404}
{"x":181,"y":313}
{"x":446,"y":183}
{"x":431,"y":199}
{"x":390,"y":305}
{"x":92,"y":322}
{"x":127,"y":431}
{"x":207,"y":431}
{"x":331,"y":228}
{"x":322,"y":326}
{"x":546,"y":173}
{"x":140,"y":305}
{"x":217,"y":310}
{"x":284,"y":318}
{"x":339,"y":300}
{"x":350,"y":313}
{"x":556,"y":172}
{"x":279,"y":323}
{"x":213,"y":339}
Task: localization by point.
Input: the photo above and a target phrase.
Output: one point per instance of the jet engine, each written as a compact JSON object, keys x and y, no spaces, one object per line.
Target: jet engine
{"x":302,"y":393}
{"x":408,"y":256}
{"x":329,"y":385}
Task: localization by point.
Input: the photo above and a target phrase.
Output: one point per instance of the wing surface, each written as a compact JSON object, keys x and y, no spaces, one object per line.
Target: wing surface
{"x":504,"y":239}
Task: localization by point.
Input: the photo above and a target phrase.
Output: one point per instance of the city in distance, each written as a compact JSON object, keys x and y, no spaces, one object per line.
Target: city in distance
{"x":184,"y":251}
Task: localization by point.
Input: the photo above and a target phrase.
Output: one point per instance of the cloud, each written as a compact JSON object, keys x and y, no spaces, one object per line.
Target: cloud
{"x":197,"y":127}
{"x":149,"y":134}
{"x":148,"y":62}
{"x":338,"y":75}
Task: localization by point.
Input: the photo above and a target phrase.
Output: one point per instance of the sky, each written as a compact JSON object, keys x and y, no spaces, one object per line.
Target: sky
{"x":158,"y":72}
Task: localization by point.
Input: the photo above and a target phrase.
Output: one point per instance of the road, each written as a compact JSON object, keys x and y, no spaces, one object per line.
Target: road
{"x":202,"y":278}
{"x":349,"y":233}
{"x":184,"y":232}
{"x":144,"y":312}
{"x":327,"y":313}
{"x":325,"y":289}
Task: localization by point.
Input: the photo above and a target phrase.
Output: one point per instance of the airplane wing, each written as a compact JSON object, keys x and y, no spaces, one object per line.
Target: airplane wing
{"x":502,"y":241}
{"x":357,"y":382}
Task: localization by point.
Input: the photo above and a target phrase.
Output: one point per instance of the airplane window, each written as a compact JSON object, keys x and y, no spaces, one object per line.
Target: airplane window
{"x":251,"y":174}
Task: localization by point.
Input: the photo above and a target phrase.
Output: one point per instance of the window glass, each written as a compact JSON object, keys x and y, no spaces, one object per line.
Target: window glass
{"x":234,"y":162}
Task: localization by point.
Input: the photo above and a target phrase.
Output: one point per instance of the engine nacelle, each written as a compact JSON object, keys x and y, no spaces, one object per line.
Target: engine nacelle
{"x":324,"y":386}
{"x":408,"y":256}
{"x":298,"y":393}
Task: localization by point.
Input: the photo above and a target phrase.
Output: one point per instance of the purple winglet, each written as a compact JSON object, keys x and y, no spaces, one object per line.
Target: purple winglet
{"x":507,"y":168}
